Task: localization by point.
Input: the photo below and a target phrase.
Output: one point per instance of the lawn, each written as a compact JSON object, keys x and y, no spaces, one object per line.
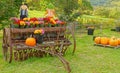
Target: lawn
{"x":87,"y":58}
{"x":34,"y":13}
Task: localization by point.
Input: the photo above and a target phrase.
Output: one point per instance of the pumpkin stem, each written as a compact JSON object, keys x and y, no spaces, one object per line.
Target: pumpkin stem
{"x":31,"y":35}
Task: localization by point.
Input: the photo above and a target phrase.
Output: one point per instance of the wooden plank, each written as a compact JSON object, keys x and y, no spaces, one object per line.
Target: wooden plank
{"x":46,"y":29}
{"x":107,"y":46}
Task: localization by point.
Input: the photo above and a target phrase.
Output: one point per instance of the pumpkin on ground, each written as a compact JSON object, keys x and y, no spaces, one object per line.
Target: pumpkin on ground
{"x":113,"y":42}
{"x":118,"y":41}
{"x":104,"y":41}
{"x":30,"y":41}
{"x":97,"y":40}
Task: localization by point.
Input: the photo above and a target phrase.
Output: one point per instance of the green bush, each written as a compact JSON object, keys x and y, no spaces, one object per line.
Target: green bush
{"x":8,"y":9}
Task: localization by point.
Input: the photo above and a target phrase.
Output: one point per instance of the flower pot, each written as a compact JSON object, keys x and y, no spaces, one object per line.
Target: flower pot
{"x":90,"y":31}
{"x":39,"y":38}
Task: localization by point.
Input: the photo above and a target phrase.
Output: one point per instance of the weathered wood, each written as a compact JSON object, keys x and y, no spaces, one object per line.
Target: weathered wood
{"x":107,"y":46}
{"x":70,"y":33}
{"x":47,"y":29}
{"x":55,"y":44}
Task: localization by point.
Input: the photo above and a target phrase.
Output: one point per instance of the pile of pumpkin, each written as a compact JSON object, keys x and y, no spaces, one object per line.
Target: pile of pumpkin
{"x":113,"y":41}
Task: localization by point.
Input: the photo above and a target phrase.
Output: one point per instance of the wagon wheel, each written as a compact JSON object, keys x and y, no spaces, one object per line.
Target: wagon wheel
{"x":70,"y":35}
{"x":7,"y":51}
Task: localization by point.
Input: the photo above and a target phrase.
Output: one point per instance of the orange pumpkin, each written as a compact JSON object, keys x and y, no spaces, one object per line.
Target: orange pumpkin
{"x":104,"y":41}
{"x":113,"y":42}
{"x":97,"y":40}
{"x":30,"y":41}
{"x":118,"y":41}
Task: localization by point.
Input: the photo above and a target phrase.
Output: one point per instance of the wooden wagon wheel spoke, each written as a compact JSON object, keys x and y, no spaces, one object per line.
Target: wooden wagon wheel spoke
{"x":54,"y":53}
{"x":64,"y":49}
{"x":16,"y":55}
{"x":7,"y":50}
{"x":65,"y":63}
{"x":8,"y":55}
{"x":4,"y":46}
{"x":70,"y":35}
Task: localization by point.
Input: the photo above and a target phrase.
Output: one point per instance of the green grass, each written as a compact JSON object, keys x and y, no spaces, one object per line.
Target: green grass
{"x":34,"y":13}
{"x":87,"y":59}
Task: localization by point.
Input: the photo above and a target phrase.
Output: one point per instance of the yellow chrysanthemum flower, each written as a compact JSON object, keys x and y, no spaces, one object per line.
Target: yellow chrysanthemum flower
{"x":36,"y":22}
{"x":26,"y":19}
{"x":22,"y":23}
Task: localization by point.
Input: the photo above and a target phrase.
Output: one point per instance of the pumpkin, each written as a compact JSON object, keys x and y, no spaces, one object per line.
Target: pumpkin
{"x":104,"y":40}
{"x":118,"y":41}
{"x":30,"y":41}
{"x":113,"y":42}
{"x":97,"y":40}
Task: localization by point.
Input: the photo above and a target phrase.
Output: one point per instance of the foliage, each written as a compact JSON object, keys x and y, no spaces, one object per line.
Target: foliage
{"x":39,"y":4}
{"x":86,"y":5}
{"x":109,"y":10}
{"x":35,"y":13}
{"x":101,"y":11}
{"x":33,"y":4}
{"x":117,"y":22}
{"x":8,"y":8}
{"x":44,"y":4}
{"x":69,"y":10}
{"x":88,"y":20}
{"x":65,"y":8}
{"x":114,"y":13}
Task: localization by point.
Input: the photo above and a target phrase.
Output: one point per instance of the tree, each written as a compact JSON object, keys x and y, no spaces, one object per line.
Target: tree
{"x":34,"y":4}
{"x":71,"y":9}
{"x":110,"y":10}
{"x":86,"y":5}
{"x":65,"y":8}
{"x":8,"y":8}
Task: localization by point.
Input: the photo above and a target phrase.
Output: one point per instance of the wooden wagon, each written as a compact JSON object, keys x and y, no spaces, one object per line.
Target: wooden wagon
{"x":56,"y":42}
